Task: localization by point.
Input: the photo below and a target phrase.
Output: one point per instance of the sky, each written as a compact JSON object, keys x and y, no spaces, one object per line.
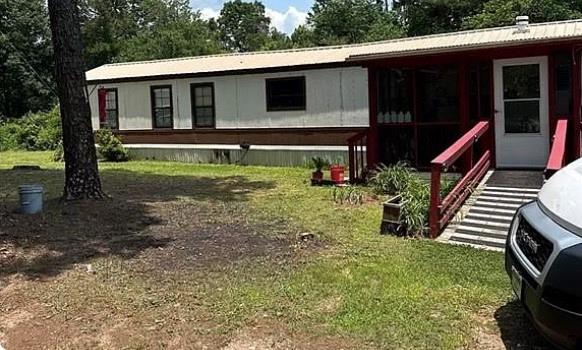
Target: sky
{"x":286,"y":15}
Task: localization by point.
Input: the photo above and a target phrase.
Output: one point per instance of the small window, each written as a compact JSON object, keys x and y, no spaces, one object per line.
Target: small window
{"x":203,"y":110}
{"x":111,"y":109}
{"x":108,"y":108}
{"x":286,"y":94}
{"x":162,"y":109}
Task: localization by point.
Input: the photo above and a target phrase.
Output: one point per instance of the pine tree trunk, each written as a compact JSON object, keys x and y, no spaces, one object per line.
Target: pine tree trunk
{"x":81,"y":172}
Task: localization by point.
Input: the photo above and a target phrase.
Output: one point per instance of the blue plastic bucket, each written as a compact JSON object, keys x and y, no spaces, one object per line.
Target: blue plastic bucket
{"x":30,"y":199}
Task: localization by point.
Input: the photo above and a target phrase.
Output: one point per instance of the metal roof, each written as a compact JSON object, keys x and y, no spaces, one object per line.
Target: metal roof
{"x":287,"y":59}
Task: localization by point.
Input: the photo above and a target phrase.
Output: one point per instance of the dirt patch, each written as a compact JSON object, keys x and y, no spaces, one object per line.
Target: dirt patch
{"x":273,"y":336}
{"x":203,"y":237}
{"x":172,"y":222}
{"x":60,"y":286}
{"x":508,"y":328}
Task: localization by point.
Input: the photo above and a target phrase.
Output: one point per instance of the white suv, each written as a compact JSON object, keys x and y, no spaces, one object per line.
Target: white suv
{"x":544,"y":257}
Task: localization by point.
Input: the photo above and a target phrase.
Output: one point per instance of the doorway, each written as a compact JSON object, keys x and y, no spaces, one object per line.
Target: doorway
{"x":521,"y":112}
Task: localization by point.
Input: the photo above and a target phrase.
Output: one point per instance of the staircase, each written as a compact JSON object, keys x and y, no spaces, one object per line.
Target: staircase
{"x":484,"y":220}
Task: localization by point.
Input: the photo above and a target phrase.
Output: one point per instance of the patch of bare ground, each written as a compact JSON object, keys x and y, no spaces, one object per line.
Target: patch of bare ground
{"x":116,"y":274}
{"x":273,"y":336}
{"x":507,"y":328}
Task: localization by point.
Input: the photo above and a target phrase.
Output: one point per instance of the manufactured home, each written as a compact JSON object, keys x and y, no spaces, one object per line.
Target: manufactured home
{"x":406,"y":99}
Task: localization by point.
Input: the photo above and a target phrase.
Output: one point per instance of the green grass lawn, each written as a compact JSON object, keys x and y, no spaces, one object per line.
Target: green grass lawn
{"x":349,"y":288}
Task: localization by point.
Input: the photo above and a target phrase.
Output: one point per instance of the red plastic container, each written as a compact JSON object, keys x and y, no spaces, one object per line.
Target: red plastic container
{"x":337,"y":174}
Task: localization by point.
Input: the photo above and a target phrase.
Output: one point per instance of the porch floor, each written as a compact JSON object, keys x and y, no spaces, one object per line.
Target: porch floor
{"x":484,"y":220}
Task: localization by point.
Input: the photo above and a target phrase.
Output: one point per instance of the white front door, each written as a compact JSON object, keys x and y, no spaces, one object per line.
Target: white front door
{"x":521,"y":112}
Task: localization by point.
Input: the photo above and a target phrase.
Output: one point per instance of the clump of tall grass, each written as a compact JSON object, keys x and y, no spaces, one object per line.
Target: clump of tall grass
{"x":402,"y":180}
{"x":351,"y":195}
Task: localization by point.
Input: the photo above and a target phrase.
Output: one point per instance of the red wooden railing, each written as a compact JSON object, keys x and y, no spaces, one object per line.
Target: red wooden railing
{"x":557,"y":158}
{"x":442,"y":210}
{"x":357,"y":156}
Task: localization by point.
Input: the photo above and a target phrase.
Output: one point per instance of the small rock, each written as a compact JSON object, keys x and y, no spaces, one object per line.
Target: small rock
{"x":90,"y":269}
{"x":306,"y":236}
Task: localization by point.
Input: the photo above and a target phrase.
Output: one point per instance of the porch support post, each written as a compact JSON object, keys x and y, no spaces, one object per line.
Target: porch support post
{"x":435,"y":201}
{"x":372,"y":146}
{"x":576,"y":100}
{"x":553,"y":117}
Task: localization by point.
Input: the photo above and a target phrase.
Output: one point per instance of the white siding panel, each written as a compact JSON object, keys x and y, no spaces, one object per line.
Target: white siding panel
{"x":225,"y":97}
{"x":355,"y":97}
{"x":135,"y":105}
{"x":335,"y":98}
{"x":183,"y":117}
{"x":324,"y":98}
{"x":94,"y":104}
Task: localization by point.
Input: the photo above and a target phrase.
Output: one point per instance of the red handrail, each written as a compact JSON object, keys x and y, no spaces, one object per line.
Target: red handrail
{"x":557,"y":158}
{"x":356,"y":154}
{"x":442,"y":210}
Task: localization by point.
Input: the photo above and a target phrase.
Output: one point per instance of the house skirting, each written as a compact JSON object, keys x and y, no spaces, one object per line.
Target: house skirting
{"x":267,"y":155}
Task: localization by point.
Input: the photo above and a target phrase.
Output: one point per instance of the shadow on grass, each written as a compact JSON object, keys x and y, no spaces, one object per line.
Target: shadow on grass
{"x":517,"y":330}
{"x":126,"y":225}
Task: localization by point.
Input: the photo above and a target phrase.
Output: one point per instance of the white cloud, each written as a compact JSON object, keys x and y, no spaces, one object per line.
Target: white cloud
{"x":287,"y":21}
{"x":284,"y":21}
{"x":208,"y":13}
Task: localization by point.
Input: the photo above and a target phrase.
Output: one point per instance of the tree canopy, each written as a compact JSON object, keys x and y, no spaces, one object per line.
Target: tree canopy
{"x":497,"y":13}
{"x":26,"y":62}
{"x":349,"y":21}
{"x":243,"y":26}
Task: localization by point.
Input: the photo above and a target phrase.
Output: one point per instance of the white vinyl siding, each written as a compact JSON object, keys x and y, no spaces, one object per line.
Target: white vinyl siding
{"x":336,"y":97}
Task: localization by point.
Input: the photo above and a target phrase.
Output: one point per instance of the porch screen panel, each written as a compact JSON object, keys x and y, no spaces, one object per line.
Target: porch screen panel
{"x":397,"y":144}
{"x":395,"y":96}
{"x":438,"y":94}
{"x":432,"y":141}
{"x":480,"y":99}
{"x":521,"y":99}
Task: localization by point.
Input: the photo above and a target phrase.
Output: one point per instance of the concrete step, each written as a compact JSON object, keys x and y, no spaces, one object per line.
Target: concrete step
{"x":479,"y":241}
{"x":483,"y":223}
{"x":525,"y":195}
{"x":488,"y":210}
{"x":512,"y":189}
{"x":486,"y":197}
{"x":489,"y":217}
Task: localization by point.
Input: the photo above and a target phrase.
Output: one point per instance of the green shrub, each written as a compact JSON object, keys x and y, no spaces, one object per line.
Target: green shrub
{"x":9,"y":136}
{"x":110,"y":146}
{"x":400,"y":179}
{"x":391,"y":180}
{"x":34,"y":132}
{"x":351,"y":195}
{"x":415,"y":205}
{"x":59,"y":153}
{"x":319,"y":163}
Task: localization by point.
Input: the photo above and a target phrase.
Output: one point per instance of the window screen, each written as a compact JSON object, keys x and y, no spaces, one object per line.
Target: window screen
{"x":111,"y":109}
{"x":203,"y":109}
{"x":162,"y":110}
{"x":286,"y":94}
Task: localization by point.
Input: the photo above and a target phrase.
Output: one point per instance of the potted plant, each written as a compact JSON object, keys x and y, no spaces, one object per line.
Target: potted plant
{"x":317,"y":175}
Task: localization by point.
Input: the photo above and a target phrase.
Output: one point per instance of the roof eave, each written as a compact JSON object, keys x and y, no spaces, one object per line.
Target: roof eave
{"x":442,"y":50}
